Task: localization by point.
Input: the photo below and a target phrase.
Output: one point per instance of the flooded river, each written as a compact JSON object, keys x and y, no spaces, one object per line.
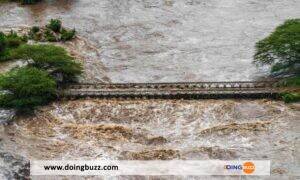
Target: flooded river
{"x":165,"y":40}
{"x":157,"y":41}
{"x":160,"y":129}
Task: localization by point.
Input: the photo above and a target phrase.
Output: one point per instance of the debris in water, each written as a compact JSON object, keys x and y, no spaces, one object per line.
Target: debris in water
{"x":229,"y":128}
{"x":161,"y":154}
{"x":107,"y":131}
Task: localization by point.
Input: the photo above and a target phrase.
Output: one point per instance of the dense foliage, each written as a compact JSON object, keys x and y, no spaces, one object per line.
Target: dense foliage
{"x":53,"y":59}
{"x":47,"y":66}
{"x":8,"y":43}
{"x":67,"y":35}
{"x":55,"y":25}
{"x":290,"y":97}
{"x":26,"y":88}
{"x":281,"y":49}
{"x":290,"y":82}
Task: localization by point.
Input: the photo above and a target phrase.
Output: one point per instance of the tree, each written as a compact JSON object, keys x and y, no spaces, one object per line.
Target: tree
{"x":25,"y":88}
{"x":281,"y":49}
{"x":2,"y":42}
{"x":53,"y":59}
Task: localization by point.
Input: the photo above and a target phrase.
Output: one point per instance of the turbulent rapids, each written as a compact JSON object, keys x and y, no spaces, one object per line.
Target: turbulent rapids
{"x":158,"y":129}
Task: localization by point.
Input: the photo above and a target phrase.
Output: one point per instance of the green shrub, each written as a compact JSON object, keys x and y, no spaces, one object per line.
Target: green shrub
{"x":49,"y":36}
{"x":24,"y":38}
{"x":26,"y":88}
{"x":55,"y":60}
{"x":67,"y":35}
{"x":290,"y":97}
{"x":35,"y":29}
{"x":54,"y":25}
{"x":290,"y":82}
{"x":281,"y":49}
{"x":2,"y":42}
{"x":37,"y":36}
{"x":8,"y":43}
{"x":13,"y":40}
{"x":6,"y":55}
{"x":33,"y":32}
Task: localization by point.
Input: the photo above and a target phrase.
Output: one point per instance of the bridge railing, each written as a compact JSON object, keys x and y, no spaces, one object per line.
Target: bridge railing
{"x":178,"y":85}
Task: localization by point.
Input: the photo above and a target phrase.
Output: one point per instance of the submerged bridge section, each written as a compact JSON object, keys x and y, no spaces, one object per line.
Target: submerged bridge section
{"x":192,"y":90}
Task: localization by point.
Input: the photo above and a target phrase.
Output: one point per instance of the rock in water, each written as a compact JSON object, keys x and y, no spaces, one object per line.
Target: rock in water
{"x":6,"y":116}
{"x":13,"y":166}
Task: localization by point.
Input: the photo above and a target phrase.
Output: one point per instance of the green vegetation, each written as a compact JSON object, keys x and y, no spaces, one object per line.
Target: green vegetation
{"x":49,"y":36}
{"x":55,"y":25}
{"x":290,"y":97}
{"x":290,"y":82}
{"x":27,"y":88}
{"x":52,"y":32}
{"x":53,"y":59}
{"x":47,"y":67}
{"x":281,"y":50}
{"x":34,"y":33}
{"x":13,"y":40}
{"x":67,"y":35}
{"x":8,"y":43}
{"x":35,"y":84}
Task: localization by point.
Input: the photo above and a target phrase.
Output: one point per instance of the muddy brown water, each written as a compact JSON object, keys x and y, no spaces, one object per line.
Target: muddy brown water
{"x":160,"y":130}
{"x":165,"y":40}
{"x":158,"y":41}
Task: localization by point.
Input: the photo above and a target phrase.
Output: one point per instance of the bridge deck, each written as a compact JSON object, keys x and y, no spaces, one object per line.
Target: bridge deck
{"x":197,"y":90}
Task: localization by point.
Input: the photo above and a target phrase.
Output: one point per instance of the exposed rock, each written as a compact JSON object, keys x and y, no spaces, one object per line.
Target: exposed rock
{"x":6,"y":116}
{"x":14,"y":167}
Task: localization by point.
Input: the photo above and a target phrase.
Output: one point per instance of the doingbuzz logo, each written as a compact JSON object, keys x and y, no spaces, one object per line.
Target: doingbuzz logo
{"x":247,"y":168}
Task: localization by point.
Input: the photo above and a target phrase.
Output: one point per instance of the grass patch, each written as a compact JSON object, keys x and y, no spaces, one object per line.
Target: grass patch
{"x":290,"y":97}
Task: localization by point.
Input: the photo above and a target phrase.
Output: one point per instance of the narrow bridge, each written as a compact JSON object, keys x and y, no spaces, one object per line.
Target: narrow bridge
{"x":183,"y":90}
